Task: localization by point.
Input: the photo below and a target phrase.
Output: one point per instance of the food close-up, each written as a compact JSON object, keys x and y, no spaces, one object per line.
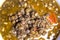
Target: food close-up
{"x":29,"y":20}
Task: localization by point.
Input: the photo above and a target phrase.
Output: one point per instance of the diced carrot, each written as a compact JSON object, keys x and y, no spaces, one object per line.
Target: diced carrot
{"x":52,"y":18}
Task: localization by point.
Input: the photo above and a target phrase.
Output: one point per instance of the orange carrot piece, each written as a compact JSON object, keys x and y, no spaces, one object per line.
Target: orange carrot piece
{"x":52,"y":18}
